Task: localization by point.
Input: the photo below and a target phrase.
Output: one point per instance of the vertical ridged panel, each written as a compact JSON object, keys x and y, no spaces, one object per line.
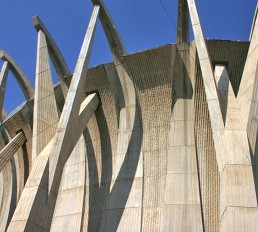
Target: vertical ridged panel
{"x":206,"y":157}
{"x":101,"y":143}
{"x":152,"y":76}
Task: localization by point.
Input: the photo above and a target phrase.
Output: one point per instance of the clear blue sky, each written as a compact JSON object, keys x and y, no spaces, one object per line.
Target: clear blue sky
{"x":142,"y":24}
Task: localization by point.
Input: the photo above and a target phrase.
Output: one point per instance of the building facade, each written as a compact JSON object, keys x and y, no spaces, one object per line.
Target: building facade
{"x":159,"y":140}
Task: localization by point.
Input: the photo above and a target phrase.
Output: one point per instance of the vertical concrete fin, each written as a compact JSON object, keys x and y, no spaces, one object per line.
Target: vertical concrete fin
{"x":254,"y":20}
{"x":3,"y":81}
{"x":45,"y":110}
{"x":65,"y":138}
{"x":247,"y":94}
{"x":209,"y":84}
{"x":182,"y":23}
{"x":23,"y":81}
{"x":114,"y":39}
{"x":57,"y":58}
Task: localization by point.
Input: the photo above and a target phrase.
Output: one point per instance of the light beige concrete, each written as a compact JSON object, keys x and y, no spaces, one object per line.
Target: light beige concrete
{"x":237,"y":164}
{"x":127,"y":132}
{"x":3,"y":80}
{"x":66,"y":134}
{"x":70,"y":204}
{"x":62,"y":69}
{"x":36,"y":193}
{"x":36,"y":203}
{"x":11,"y":148}
{"x":182,"y":187}
{"x":6,"y":197}
{"x":147,"y":158}
{"x":227,"y":99}
{"x":248,"y":86}
{"x":45,"y":116}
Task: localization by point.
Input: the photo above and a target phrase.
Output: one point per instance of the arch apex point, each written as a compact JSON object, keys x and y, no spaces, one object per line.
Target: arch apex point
{"x":37,"y":23}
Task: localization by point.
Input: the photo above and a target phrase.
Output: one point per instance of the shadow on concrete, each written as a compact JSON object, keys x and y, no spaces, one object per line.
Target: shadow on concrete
{"x":98,"y":193}
{"x":181,"y":84}
{"x":254,"y":161}
{"x":223,"y":85}
{"x":100,"y":197}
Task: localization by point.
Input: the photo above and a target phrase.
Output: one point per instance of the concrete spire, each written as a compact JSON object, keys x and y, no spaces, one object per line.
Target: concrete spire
{"x":40,"y":192}
{"x":182,"y":23}
{"x":62,"y":69}
{"x":114,"y":39}
{"x":69,"y":122}
{"x":45,"y":118}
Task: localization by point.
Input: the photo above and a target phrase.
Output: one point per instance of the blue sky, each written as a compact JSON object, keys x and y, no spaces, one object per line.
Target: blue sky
{"x":142,"y":24}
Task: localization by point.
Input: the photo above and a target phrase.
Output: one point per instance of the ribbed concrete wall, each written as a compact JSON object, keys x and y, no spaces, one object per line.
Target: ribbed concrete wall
{"x":152,"y":76}
{"x":129,"y":194}
{"x":206,"y":158}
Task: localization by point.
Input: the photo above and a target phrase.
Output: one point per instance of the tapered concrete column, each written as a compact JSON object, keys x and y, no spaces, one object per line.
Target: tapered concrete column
{"x":73,"y":168}
{"x":209,"y":84}
{"x":182,"y":199}
{"x":69,"y":119}
{"x":247,"y":96}
{"x":248,"y":85}
{"x":182,"y":23}
{"x":40,"y":194}
{"x":45,"y":114}
{"x":62,"y":70}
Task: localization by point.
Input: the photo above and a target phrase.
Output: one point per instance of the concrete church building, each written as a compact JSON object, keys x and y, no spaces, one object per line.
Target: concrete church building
{"x":160,"y":140}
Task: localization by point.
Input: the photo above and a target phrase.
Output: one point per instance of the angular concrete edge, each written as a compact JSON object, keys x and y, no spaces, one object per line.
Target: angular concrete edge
{"x":45,"y":117}
{"x":3,"y":81}
{"x":114,"y":39}
{"x":69,"y":117}
{"x":253,"y":24}
{"x":57,"y":58}
{"x":209,"y":84}
{"x":247,"y":92}
{"x":7,"y":153}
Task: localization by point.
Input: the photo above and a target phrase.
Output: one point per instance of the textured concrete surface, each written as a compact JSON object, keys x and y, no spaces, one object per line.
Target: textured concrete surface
{"x":45,"y":115}
{"x":153,"y":141}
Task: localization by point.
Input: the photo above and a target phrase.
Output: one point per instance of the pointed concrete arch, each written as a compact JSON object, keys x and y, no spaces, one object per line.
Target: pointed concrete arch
{"x":115,"y":42}
{"x":127,"y":113}
{"x":57,"y":58}
{"x":23,"y":81}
